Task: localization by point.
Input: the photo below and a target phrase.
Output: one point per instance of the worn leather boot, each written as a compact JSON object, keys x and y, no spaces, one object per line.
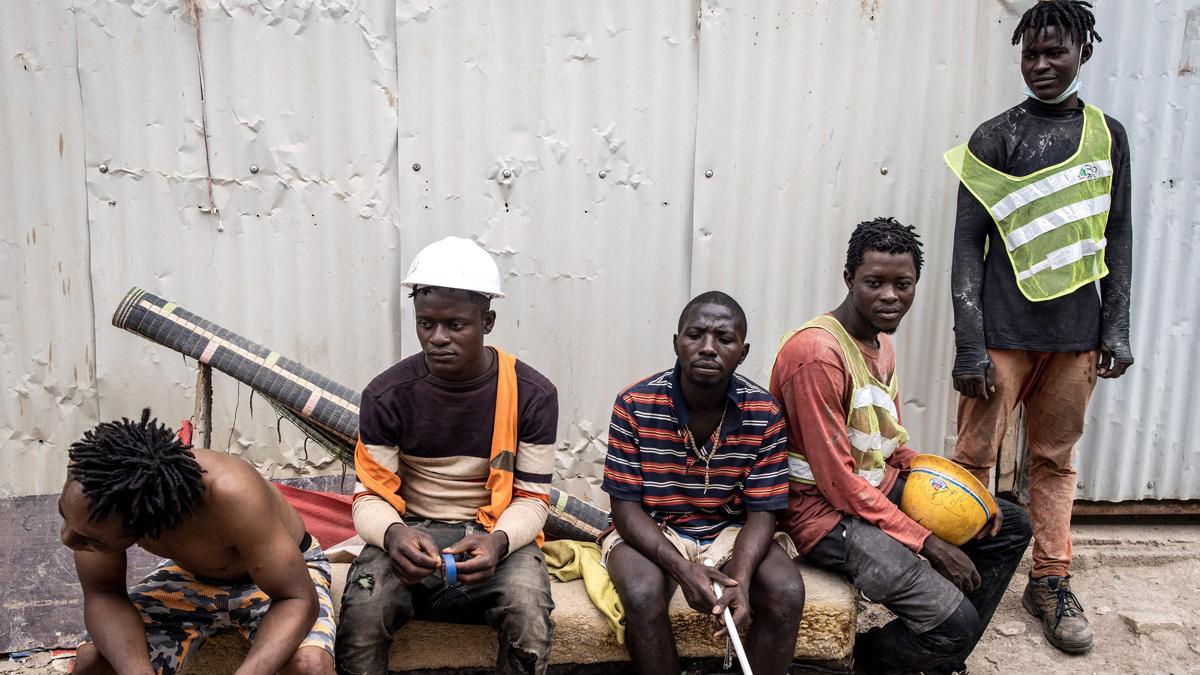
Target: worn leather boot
{"x":1063,"y":623}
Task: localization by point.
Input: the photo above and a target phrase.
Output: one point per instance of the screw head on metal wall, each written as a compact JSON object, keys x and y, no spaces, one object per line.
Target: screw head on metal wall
{"x":253,"y":168}
{"x":103,"y":168}
{"x":708,"y":174}
{"x":1150,"y":485}
{"x":507,"y":173}
{"x":883,"y":170}
{"x":416,"y":166}
{"x":603,"y":173}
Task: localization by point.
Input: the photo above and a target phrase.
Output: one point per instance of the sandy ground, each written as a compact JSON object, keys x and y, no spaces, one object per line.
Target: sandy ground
{"x":1139,"y":583}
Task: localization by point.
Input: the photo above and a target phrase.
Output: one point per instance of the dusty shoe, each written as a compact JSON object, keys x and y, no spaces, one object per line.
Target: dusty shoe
{"x":1063,"y":623}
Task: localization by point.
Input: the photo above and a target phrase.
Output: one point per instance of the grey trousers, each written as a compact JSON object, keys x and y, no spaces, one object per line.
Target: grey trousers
{"x":515,"y":602}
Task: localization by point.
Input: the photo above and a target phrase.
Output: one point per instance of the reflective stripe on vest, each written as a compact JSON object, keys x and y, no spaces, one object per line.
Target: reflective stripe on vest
{"x":1052,"y":220}
{"x":872,"y":424}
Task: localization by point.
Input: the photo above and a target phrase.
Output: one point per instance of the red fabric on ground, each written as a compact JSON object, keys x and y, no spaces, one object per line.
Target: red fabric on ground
{"x":326,"y":515}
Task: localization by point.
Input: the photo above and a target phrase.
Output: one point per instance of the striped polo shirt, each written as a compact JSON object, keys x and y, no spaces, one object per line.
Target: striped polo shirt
{"x":649,"y":462}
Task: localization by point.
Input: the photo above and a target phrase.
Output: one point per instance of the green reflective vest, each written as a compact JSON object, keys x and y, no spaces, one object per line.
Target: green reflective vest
{"x":1052,"y":220}
{"x":872,"y":423}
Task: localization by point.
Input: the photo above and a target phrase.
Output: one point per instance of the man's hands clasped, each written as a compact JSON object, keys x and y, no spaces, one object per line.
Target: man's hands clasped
{"x":484,"y":551}
{"x":414,"y":554}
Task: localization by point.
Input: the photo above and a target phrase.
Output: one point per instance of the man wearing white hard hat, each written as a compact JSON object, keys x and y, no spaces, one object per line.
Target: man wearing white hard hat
{"x":454,"y":459}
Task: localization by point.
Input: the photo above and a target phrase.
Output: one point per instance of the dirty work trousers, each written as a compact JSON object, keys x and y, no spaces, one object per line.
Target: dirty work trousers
{"x":1055,"y":388}
{"x":515,"y":602}
{"x":936,"y":627}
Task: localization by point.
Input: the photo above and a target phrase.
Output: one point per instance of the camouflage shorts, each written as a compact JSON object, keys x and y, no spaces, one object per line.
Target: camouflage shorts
{"x":181,"y":612}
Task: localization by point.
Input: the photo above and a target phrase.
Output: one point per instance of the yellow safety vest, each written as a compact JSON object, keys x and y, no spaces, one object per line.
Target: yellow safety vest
{"x":872,"y":423}
{"x":1052,"y":220}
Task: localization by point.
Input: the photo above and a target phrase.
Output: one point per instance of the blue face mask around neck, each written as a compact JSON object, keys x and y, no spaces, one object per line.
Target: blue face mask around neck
{"x":1072,"y":88}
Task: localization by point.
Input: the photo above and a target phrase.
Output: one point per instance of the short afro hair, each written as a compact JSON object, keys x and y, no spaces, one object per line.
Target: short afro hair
{"x":715,"y":298}
{"x":886,"y":235}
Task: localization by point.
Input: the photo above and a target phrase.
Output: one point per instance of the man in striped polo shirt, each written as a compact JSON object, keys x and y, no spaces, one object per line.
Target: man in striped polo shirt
{"x":697,"y":470}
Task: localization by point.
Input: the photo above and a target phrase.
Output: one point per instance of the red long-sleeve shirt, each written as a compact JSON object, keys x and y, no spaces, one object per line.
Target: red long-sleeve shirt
{"x":810,"y":379}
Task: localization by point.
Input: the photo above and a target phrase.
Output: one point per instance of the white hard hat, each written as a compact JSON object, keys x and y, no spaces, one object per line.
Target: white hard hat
{"x":455,"y":262}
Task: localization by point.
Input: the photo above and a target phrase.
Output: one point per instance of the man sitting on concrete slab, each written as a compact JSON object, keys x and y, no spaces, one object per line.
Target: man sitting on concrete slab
{"x":848,"y":461}
{"x":697,"y":470}
{"x":135,"y":483}
{"x":454,"y":460}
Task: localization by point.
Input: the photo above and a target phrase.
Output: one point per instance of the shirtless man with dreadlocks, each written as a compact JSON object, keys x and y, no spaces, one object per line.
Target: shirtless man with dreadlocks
{"x":238,"y":556}
{"x":1046,"y":185}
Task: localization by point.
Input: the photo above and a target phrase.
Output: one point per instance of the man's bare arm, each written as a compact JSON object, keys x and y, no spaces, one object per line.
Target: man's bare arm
{"x":113,"y":623}
{"x":751,"y":546}
{"x":244,"y":503}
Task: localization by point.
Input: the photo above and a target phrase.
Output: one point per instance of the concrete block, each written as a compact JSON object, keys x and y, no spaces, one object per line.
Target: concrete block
{"x":581,"y":634}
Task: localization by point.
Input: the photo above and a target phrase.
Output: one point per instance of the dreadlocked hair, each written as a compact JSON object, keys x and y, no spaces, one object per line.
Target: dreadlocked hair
{"x":1070,"y":17}
{"x":138,"y":471}
{"x":886,"y":235}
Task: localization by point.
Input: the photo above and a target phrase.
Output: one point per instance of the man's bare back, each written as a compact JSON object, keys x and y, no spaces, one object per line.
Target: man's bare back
{"x":221,"y":526}
{"x":199,"y":545}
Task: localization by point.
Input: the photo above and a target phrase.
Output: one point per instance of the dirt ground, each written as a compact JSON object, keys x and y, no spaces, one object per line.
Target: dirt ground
{"x":1139,"y":583}
{"x":1140,"y":586}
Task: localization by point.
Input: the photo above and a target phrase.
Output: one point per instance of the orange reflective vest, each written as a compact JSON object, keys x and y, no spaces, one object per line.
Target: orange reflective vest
{"x":503,"y":458}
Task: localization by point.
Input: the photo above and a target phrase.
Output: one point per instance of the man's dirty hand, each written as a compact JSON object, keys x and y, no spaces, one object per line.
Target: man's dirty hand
{"x":951,"y":563}
{"x":484,"y":551}
{"x":695,"y":580}
{"x":1112,"y":363}
{"x":412,"y":551}
{"x":977,"y":385}
{"x":992,"y":527}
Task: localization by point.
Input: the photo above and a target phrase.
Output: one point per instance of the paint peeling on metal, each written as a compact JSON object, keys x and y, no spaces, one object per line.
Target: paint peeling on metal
{"x":1138,"y":441}
{"x":795,"y":150}
{"x":605,"y":117}
{"x":48,"y":389}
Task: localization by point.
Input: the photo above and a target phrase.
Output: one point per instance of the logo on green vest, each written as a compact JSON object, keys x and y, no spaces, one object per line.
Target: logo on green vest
{"x":1088,"y":171}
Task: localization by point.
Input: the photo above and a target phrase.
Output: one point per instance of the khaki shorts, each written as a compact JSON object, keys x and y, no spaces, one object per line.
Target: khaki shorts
{"x":719,"y":550}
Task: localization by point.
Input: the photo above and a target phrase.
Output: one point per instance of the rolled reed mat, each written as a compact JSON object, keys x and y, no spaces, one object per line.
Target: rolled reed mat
{"x":324,"y":410}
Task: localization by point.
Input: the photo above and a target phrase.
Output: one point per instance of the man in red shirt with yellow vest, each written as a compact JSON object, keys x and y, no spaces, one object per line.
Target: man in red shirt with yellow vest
{"x":848,"y":461}
{"x":454,"y":460}
{"x":1046,"y":185}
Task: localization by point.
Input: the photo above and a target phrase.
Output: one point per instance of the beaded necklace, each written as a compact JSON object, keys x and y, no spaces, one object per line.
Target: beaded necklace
{"x":689,"y":440}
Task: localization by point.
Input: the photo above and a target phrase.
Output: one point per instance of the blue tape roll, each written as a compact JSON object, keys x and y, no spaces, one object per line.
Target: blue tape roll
{"x":451,"y":569}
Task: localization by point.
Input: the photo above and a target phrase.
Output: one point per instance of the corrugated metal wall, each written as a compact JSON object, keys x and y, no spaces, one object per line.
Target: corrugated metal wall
{"x":815,"y":116}
{"x":573,"y":139}
{"x":301,"y":128}
{"x":48,"y":393}
{"x":561,"y":135}
{"x":1141,"y":436}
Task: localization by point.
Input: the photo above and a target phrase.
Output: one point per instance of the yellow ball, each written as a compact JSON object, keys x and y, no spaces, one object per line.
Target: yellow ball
{"x":946,"y":499}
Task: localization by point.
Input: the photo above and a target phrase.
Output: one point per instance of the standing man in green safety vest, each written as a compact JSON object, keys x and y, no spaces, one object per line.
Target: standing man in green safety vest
{"x":1046,"y":185}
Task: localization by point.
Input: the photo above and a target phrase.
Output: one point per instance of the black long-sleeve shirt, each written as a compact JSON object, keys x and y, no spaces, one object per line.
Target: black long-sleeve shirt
{"x":989,"y":308}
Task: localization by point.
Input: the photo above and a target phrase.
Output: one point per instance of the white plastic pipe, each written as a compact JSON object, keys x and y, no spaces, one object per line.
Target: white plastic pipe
{"x":731,"y":628}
